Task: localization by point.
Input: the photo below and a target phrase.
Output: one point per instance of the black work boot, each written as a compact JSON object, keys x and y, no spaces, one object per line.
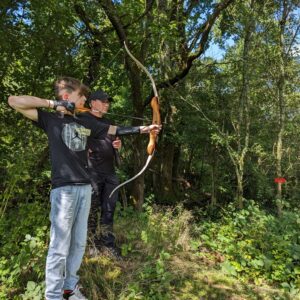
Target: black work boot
{"x":113,"y":252}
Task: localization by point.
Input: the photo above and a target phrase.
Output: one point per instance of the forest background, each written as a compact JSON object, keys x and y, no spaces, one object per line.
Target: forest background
{"x":209,"y":220}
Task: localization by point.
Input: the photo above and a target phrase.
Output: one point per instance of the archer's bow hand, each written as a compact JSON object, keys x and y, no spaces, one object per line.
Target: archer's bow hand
{"x":153,"y":128}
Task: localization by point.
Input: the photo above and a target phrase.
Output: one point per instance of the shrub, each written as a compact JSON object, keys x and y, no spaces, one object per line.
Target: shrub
{"x":24,"y":233}
{"x":257,"y":245}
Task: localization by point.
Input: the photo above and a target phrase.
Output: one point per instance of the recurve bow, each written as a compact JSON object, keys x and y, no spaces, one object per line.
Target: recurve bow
{"x":155,"y":120}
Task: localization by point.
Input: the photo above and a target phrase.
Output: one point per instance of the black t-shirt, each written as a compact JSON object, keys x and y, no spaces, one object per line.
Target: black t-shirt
{"x":67,"y":138}
{"x":101,"y":151}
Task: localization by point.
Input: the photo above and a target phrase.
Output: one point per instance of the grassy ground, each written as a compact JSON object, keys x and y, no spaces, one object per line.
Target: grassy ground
{"x":161,"y":264}
{"x":190,"y":277}
{"x":162,"y":260}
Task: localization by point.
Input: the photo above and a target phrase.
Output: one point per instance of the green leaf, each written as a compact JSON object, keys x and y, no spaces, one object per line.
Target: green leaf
{"x":31,"y":285}
{"x":144,"y":236}
{"x":228,"y":268}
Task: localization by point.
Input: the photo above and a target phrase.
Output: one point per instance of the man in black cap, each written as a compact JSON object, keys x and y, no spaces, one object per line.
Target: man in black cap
{"x":102,"y":160}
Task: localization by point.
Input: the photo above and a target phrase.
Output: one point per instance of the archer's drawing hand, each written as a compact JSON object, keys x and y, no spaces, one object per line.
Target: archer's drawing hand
{"x":62,"y":105}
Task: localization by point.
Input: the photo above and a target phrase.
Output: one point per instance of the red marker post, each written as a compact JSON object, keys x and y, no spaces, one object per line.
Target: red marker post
{"x":279,"y":181}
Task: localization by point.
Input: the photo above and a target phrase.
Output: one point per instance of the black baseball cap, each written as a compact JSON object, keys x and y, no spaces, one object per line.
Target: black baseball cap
{"x":99,"y":95}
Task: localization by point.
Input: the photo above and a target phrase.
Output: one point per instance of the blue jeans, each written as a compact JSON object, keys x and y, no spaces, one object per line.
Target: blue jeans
{"x":70,"y":206}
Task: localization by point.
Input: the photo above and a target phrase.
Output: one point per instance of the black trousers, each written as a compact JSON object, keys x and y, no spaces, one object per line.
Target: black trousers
{"x":101,"y":218}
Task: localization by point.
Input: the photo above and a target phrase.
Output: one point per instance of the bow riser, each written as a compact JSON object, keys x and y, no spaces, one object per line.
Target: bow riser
{"x":155,"y":120}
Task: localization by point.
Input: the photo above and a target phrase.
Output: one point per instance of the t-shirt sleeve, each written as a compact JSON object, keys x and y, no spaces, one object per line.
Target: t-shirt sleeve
{"x":100,"y":130}
{"x":43,"y":119}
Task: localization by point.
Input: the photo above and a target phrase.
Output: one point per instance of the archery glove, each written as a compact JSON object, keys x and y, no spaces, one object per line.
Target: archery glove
{"x":69,"y":106}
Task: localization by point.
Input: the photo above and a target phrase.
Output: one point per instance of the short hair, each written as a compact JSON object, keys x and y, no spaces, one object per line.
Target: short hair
{"x":70,"y":84}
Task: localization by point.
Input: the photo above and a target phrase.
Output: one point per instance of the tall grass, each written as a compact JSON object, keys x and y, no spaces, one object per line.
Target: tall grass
{"x":162,"y":259}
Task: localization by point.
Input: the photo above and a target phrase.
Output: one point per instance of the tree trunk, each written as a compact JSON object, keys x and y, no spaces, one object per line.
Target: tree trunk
{"x":281,"y":104}
{"x":214,"y":167}
{"x":167,"y":192}
{"x":243,"y":124}
{"x":137,"y":193}
{"x":139,"y":160}
{"x":240,"y":187}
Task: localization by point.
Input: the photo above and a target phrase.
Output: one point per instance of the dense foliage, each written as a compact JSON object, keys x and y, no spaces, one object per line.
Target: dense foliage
{"x":228,"y":78}
{"x":257,"y":245}
{"x":166,"y":256}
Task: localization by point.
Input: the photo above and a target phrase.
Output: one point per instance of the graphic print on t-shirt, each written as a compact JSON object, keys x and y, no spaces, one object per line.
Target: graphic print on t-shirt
{"x":75,"y":136}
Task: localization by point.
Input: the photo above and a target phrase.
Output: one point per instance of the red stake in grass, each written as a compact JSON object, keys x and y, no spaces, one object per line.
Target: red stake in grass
{"x":279,"y":181}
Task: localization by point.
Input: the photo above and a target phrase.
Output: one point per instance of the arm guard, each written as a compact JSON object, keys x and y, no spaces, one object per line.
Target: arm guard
{"x":128,"y":130}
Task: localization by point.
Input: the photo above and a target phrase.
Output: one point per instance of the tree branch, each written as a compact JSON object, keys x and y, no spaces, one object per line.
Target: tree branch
{"x":206,"y":28}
